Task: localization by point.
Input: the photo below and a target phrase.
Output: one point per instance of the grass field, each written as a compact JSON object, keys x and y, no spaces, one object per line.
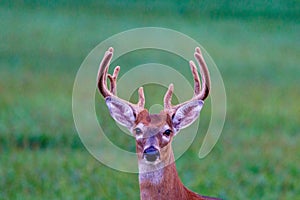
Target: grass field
{"x":256,"y":47}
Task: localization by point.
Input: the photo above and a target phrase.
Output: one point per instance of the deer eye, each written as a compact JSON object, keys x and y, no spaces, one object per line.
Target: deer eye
{"x":167,"y":132}
{"x":138,"y":131}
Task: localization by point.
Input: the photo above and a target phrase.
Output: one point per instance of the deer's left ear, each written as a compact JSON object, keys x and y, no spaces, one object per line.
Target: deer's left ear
{"x":186,"y":114}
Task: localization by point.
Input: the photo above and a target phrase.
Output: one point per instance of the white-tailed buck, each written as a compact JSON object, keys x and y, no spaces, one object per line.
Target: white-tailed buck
{"x":158,"y":178}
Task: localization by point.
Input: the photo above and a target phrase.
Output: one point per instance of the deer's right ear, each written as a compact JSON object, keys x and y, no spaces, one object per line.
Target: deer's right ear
{"x":187,"y":114}
{"x":120,"y":111}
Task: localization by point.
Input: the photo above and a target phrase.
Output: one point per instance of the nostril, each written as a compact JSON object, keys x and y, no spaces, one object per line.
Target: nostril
{"x":151,"y":154}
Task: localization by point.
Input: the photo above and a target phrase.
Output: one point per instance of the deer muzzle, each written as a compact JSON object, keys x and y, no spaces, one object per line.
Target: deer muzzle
{"x":151,"y":154}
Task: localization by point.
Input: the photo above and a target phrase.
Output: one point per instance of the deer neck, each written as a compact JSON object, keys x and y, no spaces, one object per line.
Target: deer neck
{"x":161,"y":182}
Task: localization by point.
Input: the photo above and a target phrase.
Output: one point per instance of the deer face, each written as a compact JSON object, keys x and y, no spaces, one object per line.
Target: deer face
{"x":154,"y":133}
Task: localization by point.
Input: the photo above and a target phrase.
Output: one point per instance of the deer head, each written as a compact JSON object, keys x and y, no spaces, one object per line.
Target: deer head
{"x":154,"y":132}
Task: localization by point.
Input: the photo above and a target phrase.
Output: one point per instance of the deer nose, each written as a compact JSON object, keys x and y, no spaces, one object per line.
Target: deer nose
{"x":151,"y":154}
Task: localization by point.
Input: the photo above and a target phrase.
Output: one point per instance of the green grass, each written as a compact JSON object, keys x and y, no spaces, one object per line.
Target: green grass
{"x":60,"y":174}
{"x":255,"y":46}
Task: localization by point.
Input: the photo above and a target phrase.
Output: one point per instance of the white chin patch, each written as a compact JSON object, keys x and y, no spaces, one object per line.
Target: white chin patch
{"x":152,"y":163}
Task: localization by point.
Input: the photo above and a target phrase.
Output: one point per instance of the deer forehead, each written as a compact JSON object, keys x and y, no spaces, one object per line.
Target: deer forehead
{"x":153,"y":121}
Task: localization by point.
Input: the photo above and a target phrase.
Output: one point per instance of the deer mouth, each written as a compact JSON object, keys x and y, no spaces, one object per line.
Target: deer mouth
{"x":151,"y":154}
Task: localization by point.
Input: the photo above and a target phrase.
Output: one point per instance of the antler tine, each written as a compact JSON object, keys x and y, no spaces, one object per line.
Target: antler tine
{"x":204,"y":75}
{"x":168,"y":97}
{"x":102,"y":81}
{"x":141,"y":102}
{"x":113,"y":80}
{"x":200,"y":92}
{"x":197,"y":85}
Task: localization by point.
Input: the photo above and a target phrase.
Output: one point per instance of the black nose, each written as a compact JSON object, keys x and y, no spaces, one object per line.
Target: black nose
{"x":151,"y":154}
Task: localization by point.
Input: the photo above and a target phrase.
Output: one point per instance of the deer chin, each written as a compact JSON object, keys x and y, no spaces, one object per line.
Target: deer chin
{"x":154,"y":162}
{"x":148,"y":167}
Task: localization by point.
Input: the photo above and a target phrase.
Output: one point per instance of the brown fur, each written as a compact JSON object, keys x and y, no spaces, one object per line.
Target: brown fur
{"x":143,"y":117}
{"x":169,"y":186}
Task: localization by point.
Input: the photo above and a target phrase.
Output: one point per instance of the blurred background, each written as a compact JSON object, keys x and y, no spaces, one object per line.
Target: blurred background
{"x":255,"y":45}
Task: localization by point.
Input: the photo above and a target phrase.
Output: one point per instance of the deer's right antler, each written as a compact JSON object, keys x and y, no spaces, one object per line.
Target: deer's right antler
{"x":200,"y":93}
{"x":111,"y":92}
